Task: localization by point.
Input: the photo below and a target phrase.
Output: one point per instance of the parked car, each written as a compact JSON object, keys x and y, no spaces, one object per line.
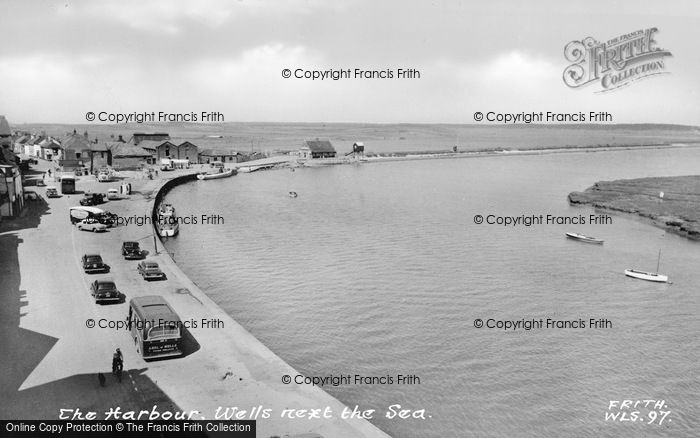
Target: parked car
{"x":132,"y":251}
{"x":108,"y":219}
{"x":93,"y":263}
{"x":52,"y":192}
{"x":91,"y":225}
{"x":113,"y":194}
{"x":93,"y":199}
{"x":150,"y":271}
{"x":104,"y":177}
{"x":105,"y":290}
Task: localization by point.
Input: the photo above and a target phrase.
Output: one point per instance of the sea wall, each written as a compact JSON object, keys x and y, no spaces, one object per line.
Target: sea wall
{"x":163,"y":190}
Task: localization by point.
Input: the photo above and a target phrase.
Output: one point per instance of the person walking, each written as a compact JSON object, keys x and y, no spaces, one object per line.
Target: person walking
{"x":118,"y":364}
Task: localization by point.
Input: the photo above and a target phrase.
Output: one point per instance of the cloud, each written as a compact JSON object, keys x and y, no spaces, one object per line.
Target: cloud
{"x":174,"y":17}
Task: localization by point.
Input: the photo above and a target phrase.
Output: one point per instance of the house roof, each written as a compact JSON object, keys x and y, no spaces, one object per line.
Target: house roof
{"x":144,"y":136}
{"x":50,"y":143}
{"x":150,"y":144}
{"x":4,"y":126}
{"x":319,"y":146}
{"x":120,"y":149}
{"x":36,"y":140}
{"x":98,"y":147}
{"x":76,"y":142}
{"x":181,"y":141}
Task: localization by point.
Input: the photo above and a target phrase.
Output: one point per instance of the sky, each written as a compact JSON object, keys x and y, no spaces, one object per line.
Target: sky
{"x":62,"y":59}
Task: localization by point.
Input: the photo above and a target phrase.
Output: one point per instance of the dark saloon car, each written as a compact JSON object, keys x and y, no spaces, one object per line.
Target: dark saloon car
{"x":150,"y":271}
{"x":105,"y":290}
{"x":93,"y":263}
{"x":107,"y":219}
{"x":52,"y":192}
{"x":92,"y":199}
{"x":131,"y":251}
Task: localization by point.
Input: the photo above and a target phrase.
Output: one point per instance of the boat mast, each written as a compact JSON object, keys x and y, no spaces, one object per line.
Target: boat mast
{"x":658,"y":260}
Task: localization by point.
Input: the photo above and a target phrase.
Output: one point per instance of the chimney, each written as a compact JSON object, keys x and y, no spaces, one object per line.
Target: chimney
{"x":121,"y":139}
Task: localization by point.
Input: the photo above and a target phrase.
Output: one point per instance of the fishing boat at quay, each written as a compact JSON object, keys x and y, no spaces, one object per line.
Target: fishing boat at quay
{"x":223,"y":174}
{"x":167,"y":224}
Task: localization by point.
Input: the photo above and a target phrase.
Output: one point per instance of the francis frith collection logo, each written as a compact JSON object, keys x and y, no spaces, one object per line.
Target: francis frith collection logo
{"x":615,"y":63}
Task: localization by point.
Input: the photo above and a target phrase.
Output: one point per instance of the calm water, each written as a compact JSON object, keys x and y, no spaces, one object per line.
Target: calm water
{"x":379,"y":269}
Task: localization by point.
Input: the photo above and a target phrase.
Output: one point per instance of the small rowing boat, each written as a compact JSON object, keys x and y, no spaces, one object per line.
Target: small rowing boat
{"x":582,"y":238}
{"x":224,"y":174}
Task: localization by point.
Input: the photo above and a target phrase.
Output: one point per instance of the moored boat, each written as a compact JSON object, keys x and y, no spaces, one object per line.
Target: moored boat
{"x":249,"y":169}
{"x":224,"y":174}
{"x":583,"y":238}
{"x":648,"y":276}
{"x":167,"y":224}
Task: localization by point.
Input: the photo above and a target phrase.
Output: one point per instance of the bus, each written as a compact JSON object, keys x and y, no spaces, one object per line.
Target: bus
{"x":155,"y":327}
{"x":67,"y":184}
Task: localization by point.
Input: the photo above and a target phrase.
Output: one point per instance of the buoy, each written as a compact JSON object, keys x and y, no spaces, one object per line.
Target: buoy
{"x":293,"y":194}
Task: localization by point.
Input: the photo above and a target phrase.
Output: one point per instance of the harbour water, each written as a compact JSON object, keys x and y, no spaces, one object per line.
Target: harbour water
{"x":379,"y":269}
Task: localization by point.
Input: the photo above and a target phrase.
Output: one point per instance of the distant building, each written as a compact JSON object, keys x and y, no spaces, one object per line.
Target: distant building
{"x":50,"y":149}
{"x":97,"y":155}
{"x":76,"y":151}
{"x":30,"y":148}
{"x":175,"y":149}
{"x":138,"y":137}
{"x":20,"y":141}
{"x":317,"y":149}
{"x":206,"y":156}
{"x":127,"y":156}
{"x":150,"y":146}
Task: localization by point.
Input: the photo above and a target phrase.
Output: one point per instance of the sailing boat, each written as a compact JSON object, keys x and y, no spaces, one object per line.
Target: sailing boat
{"x":648,"y":276}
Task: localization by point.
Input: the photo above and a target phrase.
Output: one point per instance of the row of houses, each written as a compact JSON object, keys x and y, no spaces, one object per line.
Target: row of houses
{"x":142,"y":149}
{"x":77,"y":150}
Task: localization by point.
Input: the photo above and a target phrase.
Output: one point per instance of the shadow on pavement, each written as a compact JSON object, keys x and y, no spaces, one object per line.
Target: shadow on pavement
{"x":22,"y":350}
